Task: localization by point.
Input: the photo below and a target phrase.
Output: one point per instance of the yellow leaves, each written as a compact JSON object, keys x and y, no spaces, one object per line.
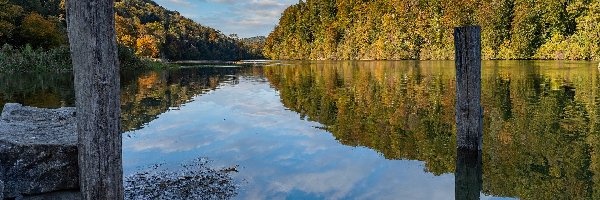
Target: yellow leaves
{"x":506,"y":52}
{"x":423,"y":29}
{"x":144,"y":38}
{"x":127,"y":40}
{"x":552,"y":49}
{"x":213,"y":36}
{"x":156,"y":29}
{"x":39,"y":31}
{"x":124,"y":26}
{"x":147,"y":46}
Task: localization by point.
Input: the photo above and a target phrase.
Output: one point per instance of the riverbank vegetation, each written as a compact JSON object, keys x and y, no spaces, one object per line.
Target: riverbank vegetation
{"x":33,"y":37}
{"x":58,"y":59}
{"x":29,"y":59}
{"x":395,"y":29}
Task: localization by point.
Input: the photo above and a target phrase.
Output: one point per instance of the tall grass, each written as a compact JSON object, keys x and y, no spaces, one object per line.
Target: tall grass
{"x":28,"y":59}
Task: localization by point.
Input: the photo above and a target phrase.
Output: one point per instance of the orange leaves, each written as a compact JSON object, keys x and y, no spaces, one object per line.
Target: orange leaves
{"x":147,"y":46}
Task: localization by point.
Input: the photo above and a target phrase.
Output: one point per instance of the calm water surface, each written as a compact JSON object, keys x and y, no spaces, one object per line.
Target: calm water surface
{"x":357,"y":130}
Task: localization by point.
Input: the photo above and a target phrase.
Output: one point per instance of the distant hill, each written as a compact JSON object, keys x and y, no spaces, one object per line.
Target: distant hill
{"x":142,"y":25}
{"x":255,"y":45}
{"x":416,"y":29}
{"x":157,"y":32}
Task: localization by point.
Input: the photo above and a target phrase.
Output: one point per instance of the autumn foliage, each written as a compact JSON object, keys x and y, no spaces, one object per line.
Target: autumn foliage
{"x":417,"y":29}
{"x":143,"y":26}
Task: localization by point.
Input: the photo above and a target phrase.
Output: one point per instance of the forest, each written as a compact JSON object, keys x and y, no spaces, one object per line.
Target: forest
{"x":33,"y":36}
{"x":423,"y":29}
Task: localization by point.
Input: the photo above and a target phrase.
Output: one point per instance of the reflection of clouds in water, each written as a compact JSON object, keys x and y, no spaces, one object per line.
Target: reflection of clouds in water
{"x":225,"y":131}
{"x":253,"y":148}
{"x":279,"y":155}
{"x":407,"y":180}
{"x":362,"y":177}
{"x":314,"y":147}
{"x":168,"y":143}
{"x":337,"y":182}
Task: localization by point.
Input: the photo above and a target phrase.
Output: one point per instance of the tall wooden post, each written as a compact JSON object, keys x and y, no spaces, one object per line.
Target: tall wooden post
{"x":469,"y":114}
{"x":92,"y":37}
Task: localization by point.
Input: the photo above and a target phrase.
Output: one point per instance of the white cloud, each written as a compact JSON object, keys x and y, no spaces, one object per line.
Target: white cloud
{"x":247,"y":18}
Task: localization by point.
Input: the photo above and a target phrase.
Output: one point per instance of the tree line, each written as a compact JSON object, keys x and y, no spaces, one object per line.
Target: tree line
{"x":419,"y":29}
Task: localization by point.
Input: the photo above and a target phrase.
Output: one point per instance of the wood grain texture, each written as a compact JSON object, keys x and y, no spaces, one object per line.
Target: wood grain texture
{"x":92,"y":37}
{"x":469,"y":114}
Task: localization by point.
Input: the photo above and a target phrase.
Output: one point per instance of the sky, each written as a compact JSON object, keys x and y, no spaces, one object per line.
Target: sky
{"x":247,"y":18}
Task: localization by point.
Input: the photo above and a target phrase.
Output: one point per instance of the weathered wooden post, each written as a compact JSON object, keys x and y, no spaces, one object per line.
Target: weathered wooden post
{"x":92,"y":38}
{"x":469,"y":114}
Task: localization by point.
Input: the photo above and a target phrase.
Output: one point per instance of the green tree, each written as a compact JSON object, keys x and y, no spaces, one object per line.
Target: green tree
{"x":8,"y":19}
{"x":40,"y":32}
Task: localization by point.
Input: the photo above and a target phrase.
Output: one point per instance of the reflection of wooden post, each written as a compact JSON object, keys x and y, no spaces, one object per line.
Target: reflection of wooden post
{"x":92,"y":38}
{"x":467,"y":44}
{"x":468,"y":175}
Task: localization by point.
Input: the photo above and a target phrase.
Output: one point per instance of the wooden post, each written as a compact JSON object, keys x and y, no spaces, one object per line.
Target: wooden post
{"x":92,"y":38}
{"x":468,"y":181}
{"x":469,"y":114}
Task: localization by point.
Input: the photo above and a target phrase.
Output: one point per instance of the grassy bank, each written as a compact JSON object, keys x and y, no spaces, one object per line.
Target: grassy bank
{"x":58,"y":59}
{"x":28,"y":59}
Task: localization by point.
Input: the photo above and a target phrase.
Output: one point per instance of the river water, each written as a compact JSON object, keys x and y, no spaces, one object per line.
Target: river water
{"x":356,"y":130}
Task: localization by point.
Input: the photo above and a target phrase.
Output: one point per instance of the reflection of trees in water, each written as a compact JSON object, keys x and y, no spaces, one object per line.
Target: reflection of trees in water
{"x":155,"y":92}
{"x":144,"y":95}
{"x":540,"y":131}
{"x":39,"y":90}
{"x":392,"y":109}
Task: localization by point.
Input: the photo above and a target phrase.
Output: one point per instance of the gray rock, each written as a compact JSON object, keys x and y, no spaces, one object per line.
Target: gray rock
{"x":38,"y":150}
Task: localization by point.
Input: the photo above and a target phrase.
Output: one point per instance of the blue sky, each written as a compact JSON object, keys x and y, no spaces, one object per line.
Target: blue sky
{"x":247,"y":18}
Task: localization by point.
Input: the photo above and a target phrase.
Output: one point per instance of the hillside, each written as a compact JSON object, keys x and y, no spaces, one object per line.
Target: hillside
{"x":143,"y":26}
{"x":156,"y":32}
{"x":415,"y":29}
